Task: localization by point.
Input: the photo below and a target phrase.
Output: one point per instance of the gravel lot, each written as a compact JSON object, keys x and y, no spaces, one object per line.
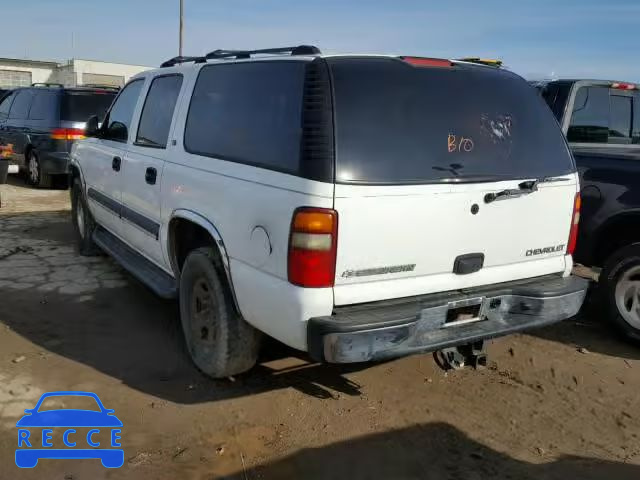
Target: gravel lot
{"x":560,"y":403}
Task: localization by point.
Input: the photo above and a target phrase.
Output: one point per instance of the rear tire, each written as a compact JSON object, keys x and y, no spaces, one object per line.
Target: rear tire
{"x":35,"y":176}
{"x":221,"y":343}
{"x":83,"y":222}
{"x":620,"y":290}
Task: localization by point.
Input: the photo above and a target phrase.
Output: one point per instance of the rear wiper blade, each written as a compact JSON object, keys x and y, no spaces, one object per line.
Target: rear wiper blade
{"x":524,"y":188}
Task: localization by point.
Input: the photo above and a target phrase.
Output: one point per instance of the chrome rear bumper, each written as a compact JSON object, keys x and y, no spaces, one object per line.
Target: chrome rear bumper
{"x":419,"y":324}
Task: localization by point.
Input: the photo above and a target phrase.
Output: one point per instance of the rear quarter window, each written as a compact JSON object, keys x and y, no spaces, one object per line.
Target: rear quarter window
{"x":396,"y":124}
{"x":248,"y":113}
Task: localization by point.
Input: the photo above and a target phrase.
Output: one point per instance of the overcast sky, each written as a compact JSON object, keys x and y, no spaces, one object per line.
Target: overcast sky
{"x":584,"y":38}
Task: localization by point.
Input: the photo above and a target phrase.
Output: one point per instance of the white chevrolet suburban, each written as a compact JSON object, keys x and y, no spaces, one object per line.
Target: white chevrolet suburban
{"x":355,"y":207}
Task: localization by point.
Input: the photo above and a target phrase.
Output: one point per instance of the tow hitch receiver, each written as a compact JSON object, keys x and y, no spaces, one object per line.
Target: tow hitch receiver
{"x":456,"y":358}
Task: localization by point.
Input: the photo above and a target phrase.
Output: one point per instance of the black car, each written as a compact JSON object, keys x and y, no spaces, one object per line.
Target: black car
{"x":601,"y":119}
{"x":40,"y":123}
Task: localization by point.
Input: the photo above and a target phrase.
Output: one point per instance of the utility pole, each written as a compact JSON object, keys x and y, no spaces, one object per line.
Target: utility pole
{"x":181,"y":28}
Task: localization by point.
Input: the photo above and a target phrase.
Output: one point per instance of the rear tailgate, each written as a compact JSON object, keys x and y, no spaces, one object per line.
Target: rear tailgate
{"x":417,"y":151}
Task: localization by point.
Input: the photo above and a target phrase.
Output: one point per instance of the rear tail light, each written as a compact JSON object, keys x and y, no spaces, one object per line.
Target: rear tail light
{"x":575,"y":221}
{"x":67,"y":134}
{"x":624,"y":86}
{"x":312,"y":247}
{"x":428,"y":62}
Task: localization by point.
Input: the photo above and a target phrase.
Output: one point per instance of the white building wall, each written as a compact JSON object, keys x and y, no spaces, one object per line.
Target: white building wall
{"x":71,"y":73}
{"x":105,"y":68}
{"x":38,"y":74}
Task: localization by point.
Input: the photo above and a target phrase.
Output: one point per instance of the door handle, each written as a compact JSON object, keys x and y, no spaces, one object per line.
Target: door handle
{"x":115,"y":163}
{"x":150,"y":176}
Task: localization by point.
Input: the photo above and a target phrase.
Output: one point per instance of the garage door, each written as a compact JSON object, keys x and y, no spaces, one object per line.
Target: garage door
{"x":102,"y":79}
{"x":14,"y":78}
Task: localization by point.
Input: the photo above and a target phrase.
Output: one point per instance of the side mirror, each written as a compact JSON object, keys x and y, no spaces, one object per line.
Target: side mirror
{"x":92,"y":128}
{"x":118,"y":131}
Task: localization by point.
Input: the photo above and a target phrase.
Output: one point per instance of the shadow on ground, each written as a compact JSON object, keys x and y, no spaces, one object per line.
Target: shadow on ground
{"x":88,"y":310}
{"x":433,"y":451}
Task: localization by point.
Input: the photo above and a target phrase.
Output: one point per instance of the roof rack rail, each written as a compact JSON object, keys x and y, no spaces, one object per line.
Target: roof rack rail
{"x":46,"y":84}
{"x":177,"y":60}
{"x":239,"y":54}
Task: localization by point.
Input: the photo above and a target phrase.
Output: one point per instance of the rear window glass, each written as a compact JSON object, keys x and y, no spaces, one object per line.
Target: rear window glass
{"x":590,"y":117}
{"x":601,"y":115}
{"x":620,"y":121}
{"x":396,"y":123}
{"x":79,"y":106}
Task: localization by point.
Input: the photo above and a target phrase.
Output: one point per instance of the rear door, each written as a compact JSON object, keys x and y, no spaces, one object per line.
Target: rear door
{"x":418,"y":149}
{"x":144,"y":165}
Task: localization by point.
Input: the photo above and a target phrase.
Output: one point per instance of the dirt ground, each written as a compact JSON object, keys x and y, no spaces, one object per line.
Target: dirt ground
{"x":560,"y":403}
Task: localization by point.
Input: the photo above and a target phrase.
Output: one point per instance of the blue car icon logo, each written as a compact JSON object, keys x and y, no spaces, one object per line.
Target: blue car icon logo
{"x":36,"y":433}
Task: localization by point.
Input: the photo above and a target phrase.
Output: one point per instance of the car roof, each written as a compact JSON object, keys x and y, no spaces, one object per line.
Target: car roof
{"x":191,"y":65}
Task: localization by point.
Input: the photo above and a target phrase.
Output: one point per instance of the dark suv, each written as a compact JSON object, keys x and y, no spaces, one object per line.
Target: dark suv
{"x":40,"y":123}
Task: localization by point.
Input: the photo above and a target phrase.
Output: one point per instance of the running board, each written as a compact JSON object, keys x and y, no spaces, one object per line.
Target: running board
{"x":162,"y":284}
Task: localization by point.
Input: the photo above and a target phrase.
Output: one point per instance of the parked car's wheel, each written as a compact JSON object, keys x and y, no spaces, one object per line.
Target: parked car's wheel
{"x":620,"y":288}
{"x":221,"y":343}
{"x":83,"y":222}
{"x":35,"y":175}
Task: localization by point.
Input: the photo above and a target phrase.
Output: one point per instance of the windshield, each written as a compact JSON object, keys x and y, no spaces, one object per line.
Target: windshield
{"x":79,"y":106}
{"x":396,"y":123}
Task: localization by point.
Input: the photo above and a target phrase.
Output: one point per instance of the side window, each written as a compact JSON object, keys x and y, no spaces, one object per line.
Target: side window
{"x":620,"y":121}
{"x":119,"y":117}
{"x":21,"y":105}
{"x":5,"y":105}
{"x":44,"y":106}
{"x":157,"y":112}
{"x":249,"y":113}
